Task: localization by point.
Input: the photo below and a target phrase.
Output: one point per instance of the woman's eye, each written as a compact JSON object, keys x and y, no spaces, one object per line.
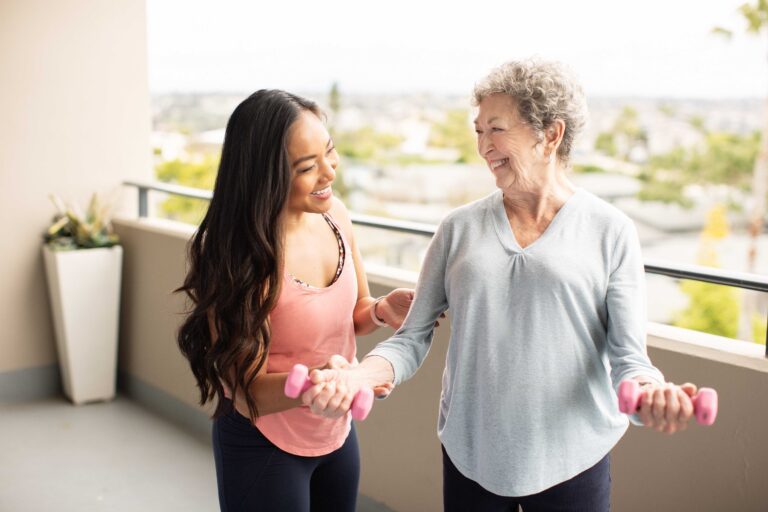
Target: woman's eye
{"x":302,"y":171}
{"x":495,"y":129}
{"x":479,"y":132}
{"x":330,"y":150}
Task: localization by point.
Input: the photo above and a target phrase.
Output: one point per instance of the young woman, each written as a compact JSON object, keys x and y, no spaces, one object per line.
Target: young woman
{"x":275,"y":279}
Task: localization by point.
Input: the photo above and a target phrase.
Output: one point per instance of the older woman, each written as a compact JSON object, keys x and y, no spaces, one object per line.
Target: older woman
{"x":546,"y":286}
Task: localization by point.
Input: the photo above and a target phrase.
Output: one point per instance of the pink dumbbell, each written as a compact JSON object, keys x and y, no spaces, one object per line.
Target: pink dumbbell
{"x":298,"y":382}
{"x":704,"y":402}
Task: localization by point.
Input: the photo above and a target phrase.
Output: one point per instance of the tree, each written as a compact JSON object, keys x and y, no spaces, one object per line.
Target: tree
{"x":334,"y":99}
{"x":334,"y":104}
{"x":626,"y":135}
{"x":721,"y":159}
{"x":455,"y":132}
{"x":366,"y":144}
{"x":756,"y":16}
{"x":712,"y":308}
{"x":200,"y":174}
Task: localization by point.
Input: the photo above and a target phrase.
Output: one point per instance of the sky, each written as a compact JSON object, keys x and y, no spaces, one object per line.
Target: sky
{"x":650,"y":48}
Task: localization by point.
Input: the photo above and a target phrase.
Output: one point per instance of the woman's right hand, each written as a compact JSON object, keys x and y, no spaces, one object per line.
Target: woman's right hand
{"x":335,"y":387}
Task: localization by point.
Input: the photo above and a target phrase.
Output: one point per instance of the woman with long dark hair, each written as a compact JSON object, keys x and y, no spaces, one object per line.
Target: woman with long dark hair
{"x":275,"y":278}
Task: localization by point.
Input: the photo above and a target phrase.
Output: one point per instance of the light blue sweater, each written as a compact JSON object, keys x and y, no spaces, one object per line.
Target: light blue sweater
{"x":540,"y":339}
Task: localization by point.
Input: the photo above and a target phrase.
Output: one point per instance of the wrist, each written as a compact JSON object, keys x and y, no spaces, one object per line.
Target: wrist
{"x":374,"y":316}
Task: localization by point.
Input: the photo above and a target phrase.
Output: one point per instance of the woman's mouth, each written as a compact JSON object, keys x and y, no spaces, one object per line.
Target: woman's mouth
{"x":498,"y":163}
{"x":324,"y":193}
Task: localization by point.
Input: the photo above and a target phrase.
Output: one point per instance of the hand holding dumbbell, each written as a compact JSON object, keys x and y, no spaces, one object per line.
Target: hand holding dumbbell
{"x":704,"y":402}
{"x":298,"y":382}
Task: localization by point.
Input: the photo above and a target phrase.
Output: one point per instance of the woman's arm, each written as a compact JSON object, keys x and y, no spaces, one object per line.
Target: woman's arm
{"x":398,"y":358}
{"x":267,"y":389}
{"x":665,"y":407}
{"x":392,"y":308}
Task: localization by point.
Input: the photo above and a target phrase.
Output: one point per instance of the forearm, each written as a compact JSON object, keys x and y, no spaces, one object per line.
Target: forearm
{"x":268,"y":391}
{"x":361,"y":316}
{"x":375,"y":371}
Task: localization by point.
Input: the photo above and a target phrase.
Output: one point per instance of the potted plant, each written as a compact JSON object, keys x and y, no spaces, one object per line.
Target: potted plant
{"x":83,"y":263}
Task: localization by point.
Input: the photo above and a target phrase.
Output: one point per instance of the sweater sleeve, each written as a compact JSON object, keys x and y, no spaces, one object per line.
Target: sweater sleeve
{"x":408,"y":347}
{"x":626,"y":307}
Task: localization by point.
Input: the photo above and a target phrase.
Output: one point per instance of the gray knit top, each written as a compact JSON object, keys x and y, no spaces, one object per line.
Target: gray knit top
{"x":541,"y":336}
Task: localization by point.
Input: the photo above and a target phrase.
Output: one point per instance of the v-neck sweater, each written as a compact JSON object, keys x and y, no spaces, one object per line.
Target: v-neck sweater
{"x":541,"y":336}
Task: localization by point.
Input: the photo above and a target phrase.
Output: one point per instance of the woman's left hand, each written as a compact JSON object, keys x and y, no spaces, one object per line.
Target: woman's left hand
{"x":394,"y":307}
{"x":667,"y":408}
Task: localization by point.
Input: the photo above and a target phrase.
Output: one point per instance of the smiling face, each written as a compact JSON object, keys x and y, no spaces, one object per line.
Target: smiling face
{"x":313,"y":160}
{"x":506,"y":142}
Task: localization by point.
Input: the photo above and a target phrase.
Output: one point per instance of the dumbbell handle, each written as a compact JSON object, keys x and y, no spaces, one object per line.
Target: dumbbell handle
{"x":704,"y":402}
{"x":298,"y":382}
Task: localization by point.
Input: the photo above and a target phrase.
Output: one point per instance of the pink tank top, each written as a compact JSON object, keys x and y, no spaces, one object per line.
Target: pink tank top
{"x":309,"y":325}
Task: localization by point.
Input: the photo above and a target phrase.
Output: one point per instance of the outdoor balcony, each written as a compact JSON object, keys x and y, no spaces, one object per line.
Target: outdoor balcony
{"x":76,"y":107}
{"x":721,"y":467}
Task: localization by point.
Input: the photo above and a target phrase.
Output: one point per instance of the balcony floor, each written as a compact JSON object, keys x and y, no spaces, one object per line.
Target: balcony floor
{"x":114,"y":456}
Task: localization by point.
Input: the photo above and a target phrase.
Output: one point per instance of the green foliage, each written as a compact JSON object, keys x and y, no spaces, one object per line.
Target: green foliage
{"x":201,"y":174}
{"x":698,"y":123}
{"x":759,"y":326}
{"x":606,"y":143}
{"x":455,"y":132}
{"x":72,"y":230}
{"x":625,"y":135}
{"x":588,"y":169}
{"x":723,"y":158}
{"x":712,"y":308}
{"x":334,"y":98}
{"x":667,"y":109}
{"x":756,"y":15}
{"x":366,"y":144}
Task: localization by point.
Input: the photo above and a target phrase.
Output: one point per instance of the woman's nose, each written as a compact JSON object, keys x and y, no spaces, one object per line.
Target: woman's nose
{"x":329,"y":169}
{"x":484,"y":145}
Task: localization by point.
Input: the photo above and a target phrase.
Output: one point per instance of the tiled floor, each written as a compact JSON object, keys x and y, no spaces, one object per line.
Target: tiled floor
{"x":107,"y":457}
{"x":114,"y":456}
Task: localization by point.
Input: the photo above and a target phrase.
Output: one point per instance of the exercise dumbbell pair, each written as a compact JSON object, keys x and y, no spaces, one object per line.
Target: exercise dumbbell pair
{"x":298,"y":382}
{"x":704,"y":402}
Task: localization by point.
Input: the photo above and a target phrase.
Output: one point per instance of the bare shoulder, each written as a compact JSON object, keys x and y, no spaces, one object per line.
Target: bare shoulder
{"x":340,"y":214}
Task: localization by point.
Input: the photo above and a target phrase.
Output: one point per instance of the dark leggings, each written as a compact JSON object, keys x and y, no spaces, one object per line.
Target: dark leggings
{"x":253,"y":474}
{"x":589,"y":491}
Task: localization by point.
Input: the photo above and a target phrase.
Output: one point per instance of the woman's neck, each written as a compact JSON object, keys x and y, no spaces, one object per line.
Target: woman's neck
{"x":538,"y":199}
{"x":296,"y":221}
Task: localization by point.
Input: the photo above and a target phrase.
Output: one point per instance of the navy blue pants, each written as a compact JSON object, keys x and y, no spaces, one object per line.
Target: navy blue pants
{"x":589,"y":491}
{"x":254,"y":475}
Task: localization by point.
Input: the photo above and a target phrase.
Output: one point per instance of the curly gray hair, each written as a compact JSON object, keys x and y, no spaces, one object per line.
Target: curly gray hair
{"x":544,"y":91}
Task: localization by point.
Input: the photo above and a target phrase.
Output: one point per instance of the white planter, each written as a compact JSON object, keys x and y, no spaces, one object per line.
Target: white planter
{"x":84,"y":287}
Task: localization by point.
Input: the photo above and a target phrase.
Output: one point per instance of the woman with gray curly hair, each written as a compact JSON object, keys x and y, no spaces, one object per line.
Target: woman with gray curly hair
{"x":545,"y":283}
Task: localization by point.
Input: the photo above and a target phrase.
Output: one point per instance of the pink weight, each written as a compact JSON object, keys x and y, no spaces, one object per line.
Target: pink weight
{"x":705,"y":406}
{"x":298,"y":382}
{"x":704,"y":402}
{"x":629,"y":396}
{"x":362,"y":404}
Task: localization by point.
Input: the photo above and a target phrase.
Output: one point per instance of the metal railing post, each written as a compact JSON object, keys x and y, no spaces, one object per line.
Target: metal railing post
{"x":143,"y":201}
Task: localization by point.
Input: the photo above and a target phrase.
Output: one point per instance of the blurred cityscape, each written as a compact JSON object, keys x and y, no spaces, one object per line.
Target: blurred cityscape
{"x":681,"y":169}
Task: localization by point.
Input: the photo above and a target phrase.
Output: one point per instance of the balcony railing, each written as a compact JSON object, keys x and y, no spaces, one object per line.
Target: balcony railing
{"x":734,"y":279}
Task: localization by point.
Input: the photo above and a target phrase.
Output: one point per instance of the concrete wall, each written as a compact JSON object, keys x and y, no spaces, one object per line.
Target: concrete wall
{"x":76,"y":120}
{"x":722,"y":467}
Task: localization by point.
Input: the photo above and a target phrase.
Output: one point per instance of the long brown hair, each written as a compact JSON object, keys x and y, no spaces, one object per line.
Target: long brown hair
{"x":235,"y":257}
